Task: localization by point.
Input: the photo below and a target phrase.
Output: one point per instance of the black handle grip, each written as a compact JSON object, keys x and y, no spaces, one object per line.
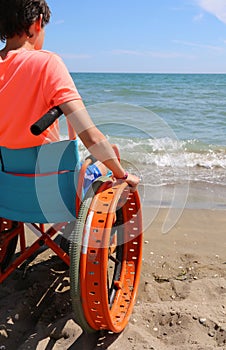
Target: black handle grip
{"x":46,"y":120}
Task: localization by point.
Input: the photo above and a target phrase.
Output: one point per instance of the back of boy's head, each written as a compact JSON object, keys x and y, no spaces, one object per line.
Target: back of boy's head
{"x":16,"y":16}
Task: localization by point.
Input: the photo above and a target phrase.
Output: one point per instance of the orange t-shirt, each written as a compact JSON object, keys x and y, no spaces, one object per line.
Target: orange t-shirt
{"x":31,"y":82}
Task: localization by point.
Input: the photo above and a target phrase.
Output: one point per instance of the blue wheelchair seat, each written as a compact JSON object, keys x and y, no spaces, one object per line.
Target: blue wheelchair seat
{"x":38,"y":184}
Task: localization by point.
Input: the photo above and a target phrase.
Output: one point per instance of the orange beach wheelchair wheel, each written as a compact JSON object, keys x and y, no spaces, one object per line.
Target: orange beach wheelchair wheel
{"x":109,"y":250}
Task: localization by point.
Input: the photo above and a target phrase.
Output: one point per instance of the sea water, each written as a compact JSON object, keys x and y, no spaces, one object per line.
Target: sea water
{"x":170,"y":129}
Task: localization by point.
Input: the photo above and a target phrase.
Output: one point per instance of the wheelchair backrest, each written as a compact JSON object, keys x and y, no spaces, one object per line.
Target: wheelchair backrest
{"x":38,"y":184}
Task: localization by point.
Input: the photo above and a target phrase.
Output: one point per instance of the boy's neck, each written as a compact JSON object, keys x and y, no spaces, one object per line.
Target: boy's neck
{"x":16,"y":43}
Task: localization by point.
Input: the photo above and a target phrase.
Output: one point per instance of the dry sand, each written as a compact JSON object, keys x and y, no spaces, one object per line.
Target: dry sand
{"x":181,"y":302}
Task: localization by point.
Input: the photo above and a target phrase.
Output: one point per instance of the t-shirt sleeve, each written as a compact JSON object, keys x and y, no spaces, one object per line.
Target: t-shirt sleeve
{"x":58,"y":85}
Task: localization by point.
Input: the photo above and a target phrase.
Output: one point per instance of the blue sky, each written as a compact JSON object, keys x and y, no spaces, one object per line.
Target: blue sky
{"x":139,"y":36}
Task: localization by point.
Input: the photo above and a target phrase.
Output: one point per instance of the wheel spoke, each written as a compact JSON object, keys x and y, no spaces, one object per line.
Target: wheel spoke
{"x":116,"y":261}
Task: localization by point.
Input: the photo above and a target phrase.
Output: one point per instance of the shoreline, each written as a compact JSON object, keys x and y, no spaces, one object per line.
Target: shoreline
{"x":189,"y":195}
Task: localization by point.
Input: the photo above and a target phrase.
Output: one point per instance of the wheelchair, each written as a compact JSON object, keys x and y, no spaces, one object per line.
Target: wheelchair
{"x":42,"y":188}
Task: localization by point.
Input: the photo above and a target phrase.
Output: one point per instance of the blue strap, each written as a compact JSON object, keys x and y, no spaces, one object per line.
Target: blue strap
{"x":50,"y":157}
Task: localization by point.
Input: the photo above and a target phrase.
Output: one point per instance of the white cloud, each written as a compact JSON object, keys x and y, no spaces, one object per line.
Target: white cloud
{"x":168,"y":55}
{"x":72,"y":56}
{"x":154,"y":54}
{"x":127,"y":52}
{"x":59,"y":22}
{"x":198,"y":18}
{"x":215,"y":7}
{"x":202,"y":46}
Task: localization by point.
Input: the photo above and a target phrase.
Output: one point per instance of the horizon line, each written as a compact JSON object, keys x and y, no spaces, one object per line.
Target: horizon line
{"x":120,"y":72}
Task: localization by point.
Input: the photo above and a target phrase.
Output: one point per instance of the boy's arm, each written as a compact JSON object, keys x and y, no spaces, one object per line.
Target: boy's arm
{"x":94,"y":140}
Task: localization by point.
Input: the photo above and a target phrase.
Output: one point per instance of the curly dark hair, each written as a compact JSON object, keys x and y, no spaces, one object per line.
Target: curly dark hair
{"x":16,"y":16}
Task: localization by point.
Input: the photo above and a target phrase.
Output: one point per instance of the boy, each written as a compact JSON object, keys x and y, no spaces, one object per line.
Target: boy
{"x":33,"y":80}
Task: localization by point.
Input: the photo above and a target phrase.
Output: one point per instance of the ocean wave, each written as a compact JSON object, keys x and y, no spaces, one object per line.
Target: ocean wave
{"x":167,"y":161}
{"x":166,"y":152}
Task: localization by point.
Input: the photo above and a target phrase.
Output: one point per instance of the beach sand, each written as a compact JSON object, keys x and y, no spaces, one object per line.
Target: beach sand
{"x":181,"y":302}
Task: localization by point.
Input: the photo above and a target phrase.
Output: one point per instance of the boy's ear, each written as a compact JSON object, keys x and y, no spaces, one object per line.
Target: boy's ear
{"x":38,"y":23}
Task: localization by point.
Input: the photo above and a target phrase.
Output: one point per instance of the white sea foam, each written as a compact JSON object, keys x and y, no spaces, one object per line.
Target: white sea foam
{"x":172,"y":153}
{"x":169,"y":156}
